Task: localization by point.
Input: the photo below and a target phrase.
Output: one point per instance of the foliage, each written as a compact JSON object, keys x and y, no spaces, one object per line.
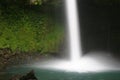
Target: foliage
{"x":23,"y":2}
{"x":55,"y":3}
{"x":29,"y":31}
{"x":31,"y":2}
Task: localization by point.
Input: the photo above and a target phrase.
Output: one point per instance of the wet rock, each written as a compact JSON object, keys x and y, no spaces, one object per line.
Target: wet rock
{"x":5,"y":53}
{"x":28,"y":76}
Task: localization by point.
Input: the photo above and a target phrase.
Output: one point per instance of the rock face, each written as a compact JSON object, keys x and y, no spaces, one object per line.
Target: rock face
{"x":28,"y":76}
{"x":5,"y":55}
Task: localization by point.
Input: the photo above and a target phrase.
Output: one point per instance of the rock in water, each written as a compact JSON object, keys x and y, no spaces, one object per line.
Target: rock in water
{"x":28,"y":76}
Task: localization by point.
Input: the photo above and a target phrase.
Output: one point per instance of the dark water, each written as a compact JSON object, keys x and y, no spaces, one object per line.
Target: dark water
{"x":59,"y":75}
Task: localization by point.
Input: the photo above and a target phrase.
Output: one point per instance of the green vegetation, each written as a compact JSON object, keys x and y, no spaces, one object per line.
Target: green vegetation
{"x":27,"y":30}
{"x":32,"y":2}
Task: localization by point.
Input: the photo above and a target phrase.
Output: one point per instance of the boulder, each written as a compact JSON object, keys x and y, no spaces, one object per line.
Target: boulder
{"x":28,"y":76}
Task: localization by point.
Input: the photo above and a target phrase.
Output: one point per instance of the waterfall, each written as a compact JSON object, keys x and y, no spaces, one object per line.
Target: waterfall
{"x":73,"y":30}
{"x":90,"y":63}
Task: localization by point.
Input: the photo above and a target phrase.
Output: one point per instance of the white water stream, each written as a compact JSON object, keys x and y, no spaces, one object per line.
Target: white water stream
{"x":73,"y":30}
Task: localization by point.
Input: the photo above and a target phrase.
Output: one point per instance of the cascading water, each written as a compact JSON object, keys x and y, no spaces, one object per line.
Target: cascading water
{"x":92,"y":63}
{"x":73,"y":29}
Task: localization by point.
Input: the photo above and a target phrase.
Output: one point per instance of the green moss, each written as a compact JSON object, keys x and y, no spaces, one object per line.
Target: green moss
{"x":29,"y":31}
